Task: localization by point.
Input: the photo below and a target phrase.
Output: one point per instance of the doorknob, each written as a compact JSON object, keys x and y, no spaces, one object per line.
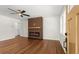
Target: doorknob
{"x":65,"y":34}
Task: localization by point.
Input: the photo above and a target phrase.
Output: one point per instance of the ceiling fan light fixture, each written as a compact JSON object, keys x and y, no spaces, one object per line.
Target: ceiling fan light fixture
{"x":19,"y":14}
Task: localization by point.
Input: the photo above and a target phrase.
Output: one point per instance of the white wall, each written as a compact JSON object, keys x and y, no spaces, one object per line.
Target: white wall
{"x":8,"y":28}
{"x":51,"y":28}
{"x":24,"y":28}
{"x":62,"y":26}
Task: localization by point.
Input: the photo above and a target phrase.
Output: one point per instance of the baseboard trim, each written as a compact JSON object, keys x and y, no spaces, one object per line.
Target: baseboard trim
{"x":7,"y":38}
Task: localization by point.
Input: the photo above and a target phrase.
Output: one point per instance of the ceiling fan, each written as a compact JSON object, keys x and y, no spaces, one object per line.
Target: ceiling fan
{"x":19,"y":12}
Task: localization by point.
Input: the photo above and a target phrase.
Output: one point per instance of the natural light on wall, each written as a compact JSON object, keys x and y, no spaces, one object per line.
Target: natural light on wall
{"x":63,"y":22}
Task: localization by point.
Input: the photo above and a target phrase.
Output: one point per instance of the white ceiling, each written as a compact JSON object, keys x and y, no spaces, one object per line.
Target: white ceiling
{"x":32,"y":10}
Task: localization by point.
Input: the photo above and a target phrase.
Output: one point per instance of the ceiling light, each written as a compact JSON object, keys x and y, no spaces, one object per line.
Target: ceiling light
{"x":19,"y":14}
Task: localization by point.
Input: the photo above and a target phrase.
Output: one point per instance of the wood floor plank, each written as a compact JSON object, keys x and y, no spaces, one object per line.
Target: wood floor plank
{"x":22,"y":45}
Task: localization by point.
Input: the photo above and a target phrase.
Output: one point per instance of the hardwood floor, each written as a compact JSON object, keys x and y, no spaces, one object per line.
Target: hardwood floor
{"x":22,"y":45}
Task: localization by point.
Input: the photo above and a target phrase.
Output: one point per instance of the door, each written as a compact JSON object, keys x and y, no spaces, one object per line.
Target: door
{"x":71,"y":35}
{"x":73,"y":31}
{"x":77,"y":41}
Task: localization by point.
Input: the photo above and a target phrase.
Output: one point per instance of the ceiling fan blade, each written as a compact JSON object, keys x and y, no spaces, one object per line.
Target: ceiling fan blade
{"x":21,"y":15}
{"x":26,"y":15}
{"x":12,"y":10}
{"x":23,"y":11}
{"x":12,"y":13}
